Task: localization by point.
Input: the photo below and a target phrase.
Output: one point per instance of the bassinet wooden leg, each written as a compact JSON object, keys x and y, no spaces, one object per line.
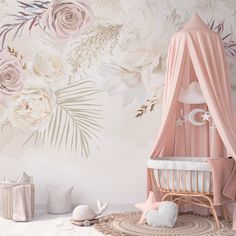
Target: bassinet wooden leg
{"x":225,"y":216}
{"x":213,"y":211}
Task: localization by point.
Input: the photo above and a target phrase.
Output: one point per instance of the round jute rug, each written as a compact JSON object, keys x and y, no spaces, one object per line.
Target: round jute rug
{"x":126,"y":224}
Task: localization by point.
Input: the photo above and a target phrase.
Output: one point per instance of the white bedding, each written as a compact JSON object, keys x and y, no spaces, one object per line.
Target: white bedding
{"x":190,"y":173}
{"x":179,"y":163}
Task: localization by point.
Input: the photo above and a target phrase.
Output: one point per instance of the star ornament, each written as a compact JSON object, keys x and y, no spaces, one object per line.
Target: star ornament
{"x":206,"y":116}
{"x":179,"y":122}
{"x":150,"y":204}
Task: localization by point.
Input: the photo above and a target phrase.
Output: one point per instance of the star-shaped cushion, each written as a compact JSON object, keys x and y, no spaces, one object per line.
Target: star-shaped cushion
{"x":150,"y":204}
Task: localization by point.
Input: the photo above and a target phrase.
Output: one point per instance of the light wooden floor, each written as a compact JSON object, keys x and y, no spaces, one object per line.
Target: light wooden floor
{"x":44,"y":224}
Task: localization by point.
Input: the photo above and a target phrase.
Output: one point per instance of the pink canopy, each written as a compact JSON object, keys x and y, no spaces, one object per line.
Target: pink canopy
{"x":196,"y":57}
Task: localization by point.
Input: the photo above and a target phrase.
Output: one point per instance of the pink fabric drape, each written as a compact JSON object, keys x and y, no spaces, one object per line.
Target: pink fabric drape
{"x":206,"y":52}
{"x":197,"y":53}
{"x":222,"y":169}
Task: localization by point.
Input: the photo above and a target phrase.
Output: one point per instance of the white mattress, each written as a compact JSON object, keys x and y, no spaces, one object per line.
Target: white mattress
{"x":185,"y":173}
{"x":179,"y":163}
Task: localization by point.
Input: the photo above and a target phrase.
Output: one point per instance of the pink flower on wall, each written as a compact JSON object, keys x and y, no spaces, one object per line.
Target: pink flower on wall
{"x":11,"y":74}
{"x":62,"y":18}
{"x":66,"y":18}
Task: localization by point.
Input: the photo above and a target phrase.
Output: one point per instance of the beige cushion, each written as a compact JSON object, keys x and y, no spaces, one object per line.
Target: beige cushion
{"x":59,"y":200}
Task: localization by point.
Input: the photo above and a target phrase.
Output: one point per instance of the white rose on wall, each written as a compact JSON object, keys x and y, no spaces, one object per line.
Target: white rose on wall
{"x":51,"y":65}
{"x":129,"y":83}
{"x":32,"y":107}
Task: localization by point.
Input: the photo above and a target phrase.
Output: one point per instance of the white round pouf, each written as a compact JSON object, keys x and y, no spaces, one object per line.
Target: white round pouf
{"x":59,"y":200}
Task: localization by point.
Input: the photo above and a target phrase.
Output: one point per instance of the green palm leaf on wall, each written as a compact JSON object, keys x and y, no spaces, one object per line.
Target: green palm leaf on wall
{"x":75,"y":122}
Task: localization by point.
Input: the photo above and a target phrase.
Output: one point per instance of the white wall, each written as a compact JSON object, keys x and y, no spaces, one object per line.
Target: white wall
{"x":115,"y":173}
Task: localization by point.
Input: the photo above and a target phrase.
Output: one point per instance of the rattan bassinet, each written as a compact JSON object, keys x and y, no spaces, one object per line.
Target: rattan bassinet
{"x":184,"y":180}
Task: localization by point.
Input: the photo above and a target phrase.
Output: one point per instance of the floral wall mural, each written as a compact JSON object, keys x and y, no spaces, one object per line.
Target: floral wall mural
{"x":61,"y":59}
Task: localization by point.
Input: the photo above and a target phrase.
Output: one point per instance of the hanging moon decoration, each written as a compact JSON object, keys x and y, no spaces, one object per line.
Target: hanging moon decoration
{"x":192,"y":115}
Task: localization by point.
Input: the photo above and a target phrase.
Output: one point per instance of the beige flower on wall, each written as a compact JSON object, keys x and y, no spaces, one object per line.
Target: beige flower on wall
{"x":4,"y":7}
{"x":32,"y":107}
{"x":66,"y":18}
{"x":51,"y":65}
{"x":2,"y":113}
{"x":214,"y":5}
{"x":11,"y":74}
